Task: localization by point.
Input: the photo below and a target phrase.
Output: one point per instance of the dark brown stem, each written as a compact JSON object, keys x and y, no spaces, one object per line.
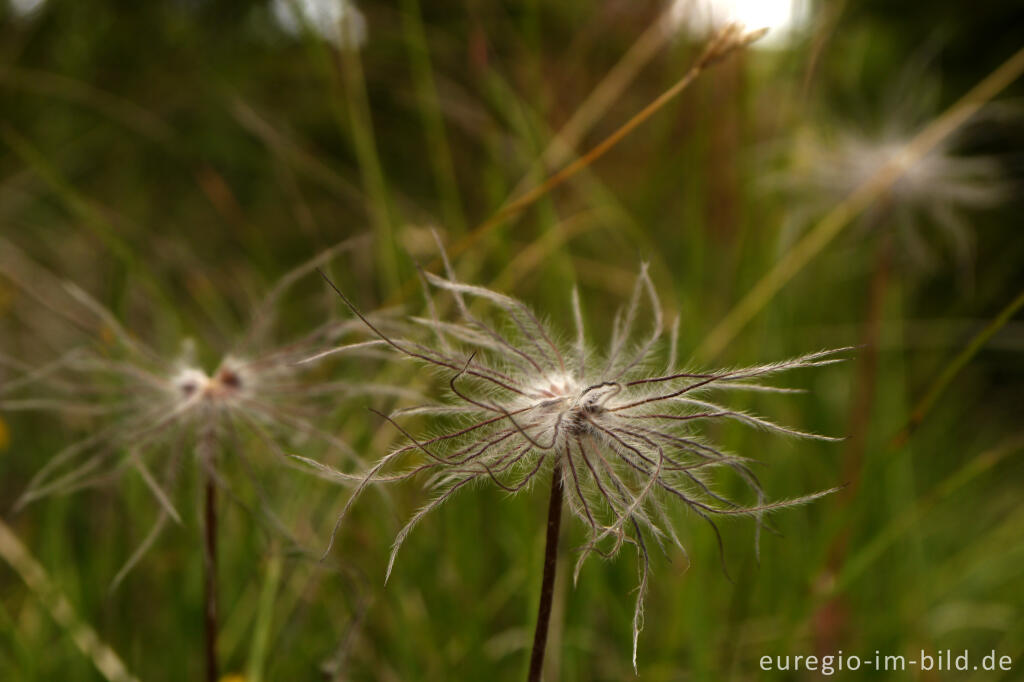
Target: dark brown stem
{"x":210,"y":576}
{"x":547,"y":588}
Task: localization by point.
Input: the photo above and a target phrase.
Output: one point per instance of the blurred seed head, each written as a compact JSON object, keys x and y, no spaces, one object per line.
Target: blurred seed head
{"x":929,"y":208}
{"x":935,"y":195}
{"x":783,"y":19}
{"x":339,"y":22}
{"x":26,"y":8}
{"x":143,"y":412}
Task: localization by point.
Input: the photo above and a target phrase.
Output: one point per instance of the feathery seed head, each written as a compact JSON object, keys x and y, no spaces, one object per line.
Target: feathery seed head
{"x":621,"y":432}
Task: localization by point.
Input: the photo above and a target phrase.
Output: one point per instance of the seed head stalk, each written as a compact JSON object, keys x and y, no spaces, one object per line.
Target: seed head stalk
{"x":145,"y":409}
{"x":547,"y":587}
{"x":209,"y":556}
{"x":830,"y":617}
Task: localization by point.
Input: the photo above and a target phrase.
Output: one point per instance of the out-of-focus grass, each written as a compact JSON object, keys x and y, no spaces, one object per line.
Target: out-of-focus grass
{"x":174,"y":159}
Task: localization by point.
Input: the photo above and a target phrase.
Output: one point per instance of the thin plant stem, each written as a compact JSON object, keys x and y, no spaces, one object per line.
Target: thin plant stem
{"x":264,"y":618}
{"x":947,"y":375}
{"x":863,"y":402}
{"x":565,"y":141}
{"x":210,"y":575}
{"x":89,"y":213}
{"x":360,"y":120}
{"x":728,"y":40}
{"x":440,"y":156}
{"x":547,"y":588}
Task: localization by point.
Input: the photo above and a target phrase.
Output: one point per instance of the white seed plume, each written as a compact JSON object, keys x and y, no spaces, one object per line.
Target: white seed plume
{"x":622,"y":432}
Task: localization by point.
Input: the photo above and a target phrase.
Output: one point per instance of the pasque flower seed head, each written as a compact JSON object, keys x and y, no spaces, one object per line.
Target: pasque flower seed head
{"x":622,"y":432}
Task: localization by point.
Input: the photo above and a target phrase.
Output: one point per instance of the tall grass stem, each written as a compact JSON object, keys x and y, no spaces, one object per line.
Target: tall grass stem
{"x":50,"y":596}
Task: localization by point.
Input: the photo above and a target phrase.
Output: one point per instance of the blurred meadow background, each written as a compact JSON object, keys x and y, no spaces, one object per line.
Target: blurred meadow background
{"x":175,"y":159}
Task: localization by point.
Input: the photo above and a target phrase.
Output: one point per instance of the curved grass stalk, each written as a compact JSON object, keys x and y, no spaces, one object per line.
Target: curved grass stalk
{"x":105,"y":659}
{"x":953,"y":368}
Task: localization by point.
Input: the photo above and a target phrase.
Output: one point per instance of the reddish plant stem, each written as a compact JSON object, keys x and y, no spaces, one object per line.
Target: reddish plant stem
{"x":210,"y":577}
{"x":830,"y":619}
{"x":547,"y":588}
{"x":863,"y":402}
